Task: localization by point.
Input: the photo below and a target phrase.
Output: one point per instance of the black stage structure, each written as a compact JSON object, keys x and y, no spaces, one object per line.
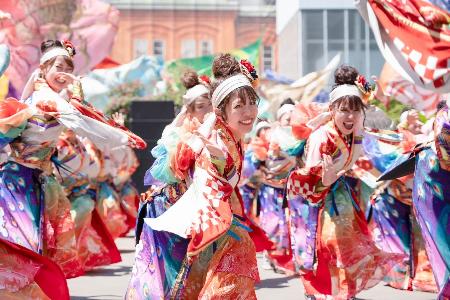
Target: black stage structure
{"x":147,"y":119}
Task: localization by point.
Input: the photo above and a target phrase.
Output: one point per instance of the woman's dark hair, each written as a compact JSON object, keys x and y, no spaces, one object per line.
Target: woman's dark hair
{"x":287,"y":101}
{"x":442,"y":104}
{"x":259,"y":121}
{"x":49,"y":44}
{"x":347,"y":75}
{"x":223,"y":67}
{"x":190,"y":79}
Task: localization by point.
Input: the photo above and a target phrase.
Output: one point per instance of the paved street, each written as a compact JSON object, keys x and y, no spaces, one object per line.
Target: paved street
{"x":110,"y":283}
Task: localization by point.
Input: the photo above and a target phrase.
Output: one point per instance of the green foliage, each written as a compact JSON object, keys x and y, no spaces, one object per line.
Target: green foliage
{"x":121,"y":97}
{"x":394,"y":109}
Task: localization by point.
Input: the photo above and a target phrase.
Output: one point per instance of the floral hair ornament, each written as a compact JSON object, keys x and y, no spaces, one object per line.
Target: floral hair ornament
{"x":205,"y":80}
{"x":69,"y":47}
{"x":367,"y":92}
{"x":249,"y":70}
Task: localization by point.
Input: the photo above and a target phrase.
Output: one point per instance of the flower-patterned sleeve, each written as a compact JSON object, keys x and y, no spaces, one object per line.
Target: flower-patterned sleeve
{"x":13,"y":119}
{"x":306,"y":181}
{"x":203,"y":213}
{"x":182,"y":160}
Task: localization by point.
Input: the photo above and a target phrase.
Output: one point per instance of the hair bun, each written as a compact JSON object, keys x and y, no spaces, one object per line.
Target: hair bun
{"x":345,"y":75}
{"x":225,"y":65}
{"x":190,"y":79}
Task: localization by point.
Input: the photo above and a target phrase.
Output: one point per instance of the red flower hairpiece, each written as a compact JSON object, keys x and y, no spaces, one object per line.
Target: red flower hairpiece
{"x":365,"y":88}
{"x":205,"y":79}
{"x":69,"y":47}
{"x":248,"y":69}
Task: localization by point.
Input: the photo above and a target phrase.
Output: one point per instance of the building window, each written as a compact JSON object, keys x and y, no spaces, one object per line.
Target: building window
{"x":313,"y":54}
{"x":188,"y":49}
{"x":328,"y":32}
{"x":206,"y":47}
{"x":158,"y":48}
{"x":267,"y":58}
{"x":140,"y":47}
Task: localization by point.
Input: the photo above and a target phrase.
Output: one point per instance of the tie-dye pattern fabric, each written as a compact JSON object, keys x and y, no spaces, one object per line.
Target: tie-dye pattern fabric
{"x":338,"y":257}
{"x":36,"y":215}
{"x":431,"y":202}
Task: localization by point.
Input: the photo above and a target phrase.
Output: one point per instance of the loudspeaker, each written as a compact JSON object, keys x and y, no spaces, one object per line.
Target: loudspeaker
{"x":148,"y":120}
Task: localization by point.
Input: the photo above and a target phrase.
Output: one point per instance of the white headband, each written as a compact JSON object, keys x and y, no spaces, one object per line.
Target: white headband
{"x":261,"y":125}
{"x":194,"y":92}
{"x":285,"y":109}
{"x":56,"y":51}
{"x":344,"y":90}
{"x":227,"y":86}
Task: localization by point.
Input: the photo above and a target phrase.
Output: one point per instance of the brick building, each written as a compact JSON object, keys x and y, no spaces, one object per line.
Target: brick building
{"x":176,"y":29}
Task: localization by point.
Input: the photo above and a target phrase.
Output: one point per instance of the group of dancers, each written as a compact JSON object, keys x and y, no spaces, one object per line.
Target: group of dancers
{"x":303,"y":190}
{"x":65,"y":187}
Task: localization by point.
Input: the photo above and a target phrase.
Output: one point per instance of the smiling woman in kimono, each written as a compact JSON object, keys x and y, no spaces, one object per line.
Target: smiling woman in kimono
{"x":34,"y":276}
{"x":332,"y":245}
{"x":36,"y":212}
{"x":215,"y":257}
{"x":167,"y":176}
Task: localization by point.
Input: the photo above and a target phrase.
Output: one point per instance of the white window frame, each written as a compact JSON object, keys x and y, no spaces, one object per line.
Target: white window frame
{"x":366,"y":69}
{"x":140,"y":47}
{"x":188,"y":48}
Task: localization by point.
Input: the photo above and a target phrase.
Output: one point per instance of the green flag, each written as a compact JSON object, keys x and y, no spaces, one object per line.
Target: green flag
{"x":203,"y":64}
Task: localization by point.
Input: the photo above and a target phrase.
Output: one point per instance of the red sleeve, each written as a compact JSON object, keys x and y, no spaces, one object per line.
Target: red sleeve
{"x":307,"y":182}
{"x":182,"y":161}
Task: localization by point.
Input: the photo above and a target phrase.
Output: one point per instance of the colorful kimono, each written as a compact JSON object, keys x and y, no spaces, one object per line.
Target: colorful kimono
{"x":108,"y":202}
{"x":254,"y":157}
{"x":208,"y":252}
{"x":395,"y":230}
{"x":249,"y":184}
{"x":36,"y":212}
{"x":273,"y":218}
{"x":169,"y":172}
{"x":389,"y":212}
{"x":95,"y":244}
{"x":332,"y":246}
{"x":431,"y":201}
{"x":24,"y":274}
{"x":126,"y":164}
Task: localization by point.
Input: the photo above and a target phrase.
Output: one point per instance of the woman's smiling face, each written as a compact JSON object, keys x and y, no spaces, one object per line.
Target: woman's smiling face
{"x":53,"y":73}
{"x":240,"y":114}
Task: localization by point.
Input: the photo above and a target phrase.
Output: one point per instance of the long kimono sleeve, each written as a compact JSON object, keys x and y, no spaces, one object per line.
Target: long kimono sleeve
{"x":13,"y":119}
{"x":203,"y":213}
{"x":101,"y":134}
{"x":173,"y":157}
{"x":86,"y":109}
{"x":306,"y":181}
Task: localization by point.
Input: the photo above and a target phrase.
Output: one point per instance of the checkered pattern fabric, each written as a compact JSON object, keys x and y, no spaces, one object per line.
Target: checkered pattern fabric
{"x":429,"y":67}
{"x":416,"y":32}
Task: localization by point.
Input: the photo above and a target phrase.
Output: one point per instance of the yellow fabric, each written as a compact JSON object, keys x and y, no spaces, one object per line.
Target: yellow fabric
{"x":4,"y":82}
